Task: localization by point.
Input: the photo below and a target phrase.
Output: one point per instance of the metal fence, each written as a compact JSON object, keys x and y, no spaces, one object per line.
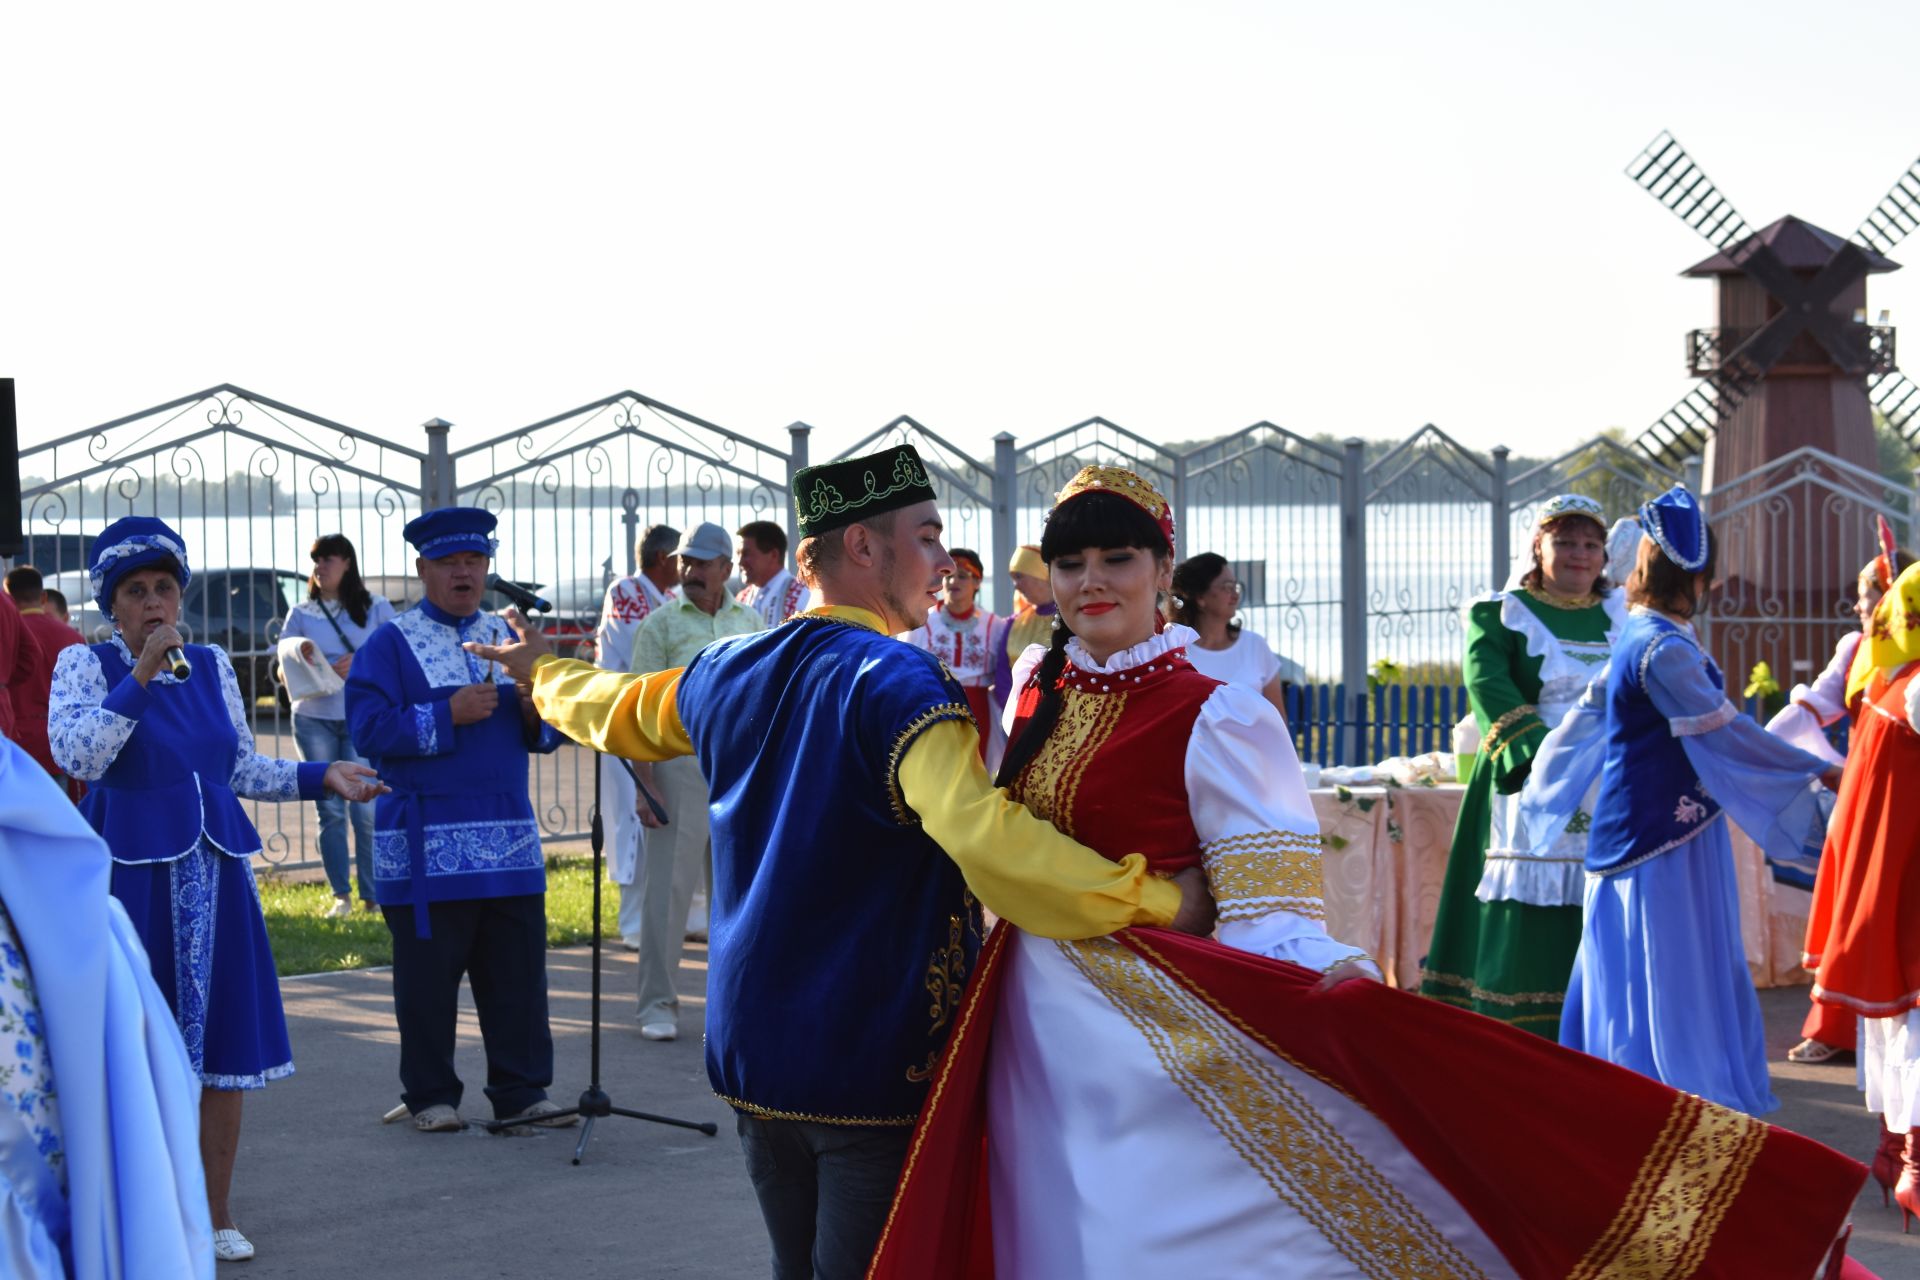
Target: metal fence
{"x":1349,"y":553}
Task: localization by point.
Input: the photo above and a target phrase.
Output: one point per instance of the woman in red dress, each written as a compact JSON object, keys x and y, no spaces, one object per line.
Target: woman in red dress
{"x":1157,"y":1104}
{"x":1863,"y":934}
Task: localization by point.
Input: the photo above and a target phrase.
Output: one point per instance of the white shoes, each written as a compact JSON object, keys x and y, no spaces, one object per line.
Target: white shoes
{"x":230,"y":1246}
{"x":341,"y":909}
{"x":659,"y":1031}
{"x":631,"y":941}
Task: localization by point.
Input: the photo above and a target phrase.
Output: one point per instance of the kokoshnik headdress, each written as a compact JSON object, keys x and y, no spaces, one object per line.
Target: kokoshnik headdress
{"x":1674,"y":521}
{"x":1125,"y":484}
{"x":836,"y":494}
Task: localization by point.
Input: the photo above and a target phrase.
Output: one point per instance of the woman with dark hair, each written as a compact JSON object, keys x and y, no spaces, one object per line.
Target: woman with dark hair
{"x":166,"y":743}
{"x":1660,"y":983}
{"x":1151,"y":1103}
{"x":1206,"y":597}
{"x":961,"y":634}
{"x":1509,"y":917}
{"x":333,"y":622}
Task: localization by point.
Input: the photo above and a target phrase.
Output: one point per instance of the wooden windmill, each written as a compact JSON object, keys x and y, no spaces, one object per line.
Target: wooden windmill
{"x":1793,"y":361}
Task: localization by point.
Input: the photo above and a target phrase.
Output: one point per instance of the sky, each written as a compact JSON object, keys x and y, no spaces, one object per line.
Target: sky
{"x":1185,"y":217}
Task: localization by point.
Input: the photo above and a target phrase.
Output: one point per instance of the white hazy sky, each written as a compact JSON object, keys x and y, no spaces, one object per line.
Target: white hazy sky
{"x":1186,"y":217}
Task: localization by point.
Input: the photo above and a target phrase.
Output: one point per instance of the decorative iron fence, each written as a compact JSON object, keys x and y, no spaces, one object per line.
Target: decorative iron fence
{"x":1348,"y":554}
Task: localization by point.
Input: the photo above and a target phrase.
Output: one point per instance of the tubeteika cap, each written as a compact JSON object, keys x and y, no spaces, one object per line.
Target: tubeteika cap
{"x":836,"y":494}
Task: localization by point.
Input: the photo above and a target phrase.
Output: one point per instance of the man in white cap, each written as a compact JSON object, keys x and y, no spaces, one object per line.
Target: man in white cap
{"x":678,"y":852}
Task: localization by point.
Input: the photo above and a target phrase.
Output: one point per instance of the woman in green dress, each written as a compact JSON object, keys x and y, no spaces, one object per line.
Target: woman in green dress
{"x":1509,"y":920}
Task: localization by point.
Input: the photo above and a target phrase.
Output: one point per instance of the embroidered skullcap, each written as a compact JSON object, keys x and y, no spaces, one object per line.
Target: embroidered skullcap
{"x":1674,"y":521}
{"x":1623,"y":547}
{"x":1027,"y":560}
{"x":1125,"y":484}
{"x":836,"y":494}
{"x":1562,"y":505}
{"x":448,"y":531}
{"x":129,"y":543}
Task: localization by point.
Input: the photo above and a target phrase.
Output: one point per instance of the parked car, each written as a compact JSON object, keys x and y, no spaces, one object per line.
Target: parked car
{"x":570,"y":626}
{"x":241,"y":610}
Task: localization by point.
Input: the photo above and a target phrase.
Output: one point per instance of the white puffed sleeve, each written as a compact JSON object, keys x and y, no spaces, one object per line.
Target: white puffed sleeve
{"x":1023,"y":668}
{"x":1812,"y":707}
{"x":84,"y":729}
{"x":1258,"y":837}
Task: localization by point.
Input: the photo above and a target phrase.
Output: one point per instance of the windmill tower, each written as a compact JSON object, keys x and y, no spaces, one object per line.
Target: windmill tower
{"x":1793,"y":362}
{"x":1792,"y":365}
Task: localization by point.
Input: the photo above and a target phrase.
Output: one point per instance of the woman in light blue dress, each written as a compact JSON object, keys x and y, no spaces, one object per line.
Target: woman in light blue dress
{"x":1660,"y":984}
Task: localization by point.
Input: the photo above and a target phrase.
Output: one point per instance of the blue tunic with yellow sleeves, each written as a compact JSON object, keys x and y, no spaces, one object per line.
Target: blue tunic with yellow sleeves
{"x":842,"y":934}
{"x":458,"y":823}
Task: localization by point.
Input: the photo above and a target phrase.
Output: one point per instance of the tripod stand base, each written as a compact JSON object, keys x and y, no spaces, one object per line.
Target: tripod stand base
{"x":593,"y":1104}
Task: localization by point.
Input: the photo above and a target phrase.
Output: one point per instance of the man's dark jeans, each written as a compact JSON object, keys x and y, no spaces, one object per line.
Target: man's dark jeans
{"x":824,"y":1191}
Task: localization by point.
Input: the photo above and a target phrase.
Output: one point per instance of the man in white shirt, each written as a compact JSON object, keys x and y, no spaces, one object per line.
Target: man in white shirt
{"x":771,"y":591}
{"x":629,"y":601}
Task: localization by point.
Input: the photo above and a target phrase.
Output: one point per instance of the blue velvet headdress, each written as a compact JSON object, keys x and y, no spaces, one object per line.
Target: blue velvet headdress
{"x":129,"y":543}
{"x":1674,"y":521}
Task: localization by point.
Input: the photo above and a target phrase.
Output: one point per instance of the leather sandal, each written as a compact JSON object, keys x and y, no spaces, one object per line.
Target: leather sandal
{"x":230,"y":1246}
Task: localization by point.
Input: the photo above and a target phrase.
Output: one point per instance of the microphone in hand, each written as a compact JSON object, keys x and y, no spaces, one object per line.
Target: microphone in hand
{"x":525,"y":599}
{"x":177,"y":662}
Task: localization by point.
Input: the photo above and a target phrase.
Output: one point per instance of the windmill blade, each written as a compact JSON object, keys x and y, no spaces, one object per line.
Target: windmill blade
{"x":1682,"y":432}
{"x":1898,"y":401}
{"x":1896,"y":214}
{"x":1666,"y":172}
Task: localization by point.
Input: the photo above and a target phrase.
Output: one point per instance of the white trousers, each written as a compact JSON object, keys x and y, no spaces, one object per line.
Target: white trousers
{"x":676,"y":860}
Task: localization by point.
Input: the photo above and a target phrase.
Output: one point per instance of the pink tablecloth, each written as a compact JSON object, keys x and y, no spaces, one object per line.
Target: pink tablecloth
{"x":1385,"y":856}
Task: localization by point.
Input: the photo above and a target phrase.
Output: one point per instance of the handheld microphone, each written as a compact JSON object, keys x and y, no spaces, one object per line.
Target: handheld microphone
{"x":177,"y":663}
{"x":513,"y":591}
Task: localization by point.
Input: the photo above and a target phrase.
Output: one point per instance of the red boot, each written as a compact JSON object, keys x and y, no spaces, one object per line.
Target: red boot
{"x":1906,"y":1193}
{"x":1886,"y":1160}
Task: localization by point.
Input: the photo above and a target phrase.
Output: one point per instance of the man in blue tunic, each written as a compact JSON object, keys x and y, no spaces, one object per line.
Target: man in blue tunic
{"x":855,"y":835}
{"x":457,"y":865}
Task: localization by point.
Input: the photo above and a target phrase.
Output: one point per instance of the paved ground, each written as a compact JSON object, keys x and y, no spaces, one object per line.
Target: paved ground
{"x":325,"y":1190}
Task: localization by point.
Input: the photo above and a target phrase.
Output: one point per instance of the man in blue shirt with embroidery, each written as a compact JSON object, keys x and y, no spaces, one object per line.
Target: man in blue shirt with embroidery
{"x":457,"y":862}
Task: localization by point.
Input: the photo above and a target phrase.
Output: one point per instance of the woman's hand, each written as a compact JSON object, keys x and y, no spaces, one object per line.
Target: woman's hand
{"x":341,"y":663}
{"x":355,"y":782}
{"x":1197,"y":910}
{"x":153,"y":655}
{"x":308,"y":653}
{"x":1357,"y":969}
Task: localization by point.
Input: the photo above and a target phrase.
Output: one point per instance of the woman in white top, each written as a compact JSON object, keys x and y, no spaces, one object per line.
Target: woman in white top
{"x":335,"y":620}
{"x":1206,"y":596}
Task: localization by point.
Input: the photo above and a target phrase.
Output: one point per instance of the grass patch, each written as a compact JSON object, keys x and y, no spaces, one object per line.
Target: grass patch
{"x":305,"y":942}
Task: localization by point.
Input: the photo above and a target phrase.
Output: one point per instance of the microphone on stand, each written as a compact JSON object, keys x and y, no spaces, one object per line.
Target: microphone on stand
{"x":177,"y":663}
{"x":528,"y":602}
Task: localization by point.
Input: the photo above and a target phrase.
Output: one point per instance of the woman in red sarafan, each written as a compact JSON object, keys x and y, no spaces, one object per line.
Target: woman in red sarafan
{"x":1152,"y":1104}
{"x":1863,"y":933}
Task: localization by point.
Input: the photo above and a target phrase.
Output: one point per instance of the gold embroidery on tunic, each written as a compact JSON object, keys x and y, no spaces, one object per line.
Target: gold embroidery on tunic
{"x":946,"y":982}
{"x":1051,"y":782}
{"x":1688,"y":1181}
{"x":769,"y":1113}
{"x":932,"y":715}
{"x":1307,"y":1162}
{"x":1261,"y":872}
{"x":1477,"y":992}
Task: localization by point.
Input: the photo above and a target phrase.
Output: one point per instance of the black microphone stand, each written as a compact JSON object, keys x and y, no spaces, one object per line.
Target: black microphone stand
{"x":594,"y":1102}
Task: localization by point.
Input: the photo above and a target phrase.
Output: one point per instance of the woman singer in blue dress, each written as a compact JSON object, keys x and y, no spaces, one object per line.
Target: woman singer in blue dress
{"x":169,"y":757}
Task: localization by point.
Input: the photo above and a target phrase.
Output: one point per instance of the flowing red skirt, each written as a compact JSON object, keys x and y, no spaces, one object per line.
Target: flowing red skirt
{"x":1863,"y":931}
{"x":1484,"y":1106}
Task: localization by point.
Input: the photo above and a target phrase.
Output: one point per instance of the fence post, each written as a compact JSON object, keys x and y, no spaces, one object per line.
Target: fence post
{"x":797,"y":435}
{"x":1006,"y":523}
{"x":436,"y":470}
{"x":1178,"y":497}
{"x":630,"y":520}
{"x":1502,"y":520}
{"x":1353,"y":599}
{"x":1691,"y":473}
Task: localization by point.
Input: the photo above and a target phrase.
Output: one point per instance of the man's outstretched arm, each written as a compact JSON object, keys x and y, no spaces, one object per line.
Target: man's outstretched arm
{"x":1021,"y":867}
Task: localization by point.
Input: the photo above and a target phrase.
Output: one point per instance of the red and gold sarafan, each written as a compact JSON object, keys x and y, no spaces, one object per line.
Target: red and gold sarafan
{"x":1112,"y":774}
